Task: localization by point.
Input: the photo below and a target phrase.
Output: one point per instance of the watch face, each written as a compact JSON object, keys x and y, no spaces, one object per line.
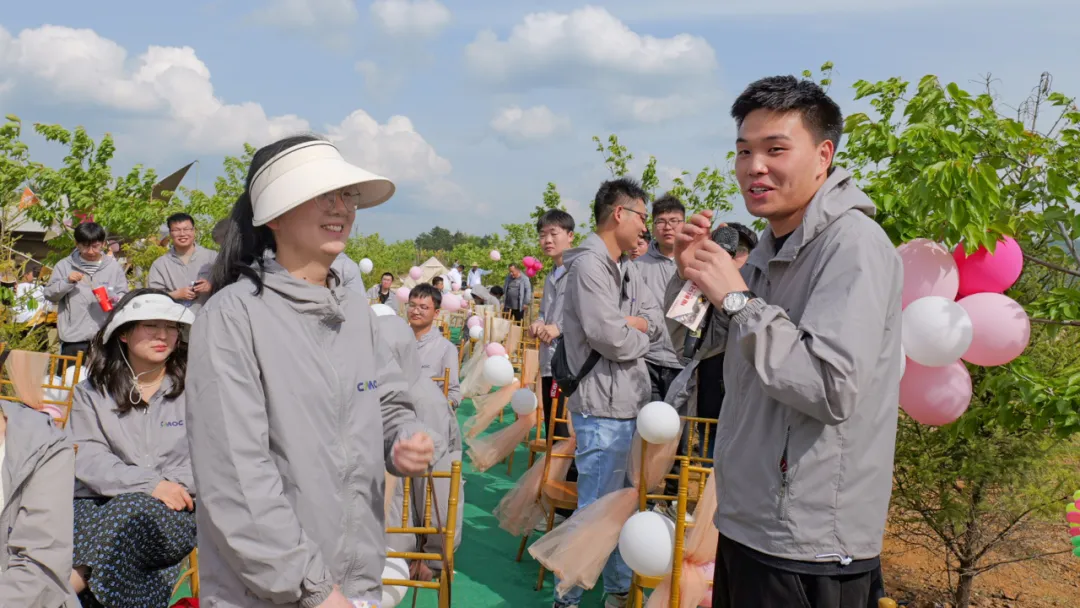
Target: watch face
{"x":734,"y":302}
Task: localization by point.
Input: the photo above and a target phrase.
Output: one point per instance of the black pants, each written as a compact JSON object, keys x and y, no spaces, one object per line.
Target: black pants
{"x":741,"y":580}
{"x":70,"y":349}
{"x":561,"y":430}
{"x":710,"y":397}
{"x":517,"y":313}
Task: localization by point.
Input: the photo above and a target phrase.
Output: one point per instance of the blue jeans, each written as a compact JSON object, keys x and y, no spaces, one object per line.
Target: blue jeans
{"x":602,"y":458}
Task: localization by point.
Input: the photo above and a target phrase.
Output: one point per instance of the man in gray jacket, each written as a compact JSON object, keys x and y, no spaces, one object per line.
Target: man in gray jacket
{"x":437,"y":354}
{"x":811,"y":329}
{"x":184,"y":271}
{"x":608,"y":310}
{"x":518,"y":292}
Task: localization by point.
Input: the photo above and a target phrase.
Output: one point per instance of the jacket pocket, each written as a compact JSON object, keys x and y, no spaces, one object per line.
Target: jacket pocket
{"x":785,"y":477}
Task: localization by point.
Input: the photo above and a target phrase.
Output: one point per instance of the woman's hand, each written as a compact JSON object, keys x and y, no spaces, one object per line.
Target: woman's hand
{"x":413,"y":456}
{"x":174,"y":496}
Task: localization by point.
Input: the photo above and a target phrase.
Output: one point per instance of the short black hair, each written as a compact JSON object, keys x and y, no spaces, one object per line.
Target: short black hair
{"x":179,"y":218}
{"x":437,"y":281}
{"x":646,"y":236}
{"x":747,"y":237}
{"x":426,"y":290}
{"x":668,"y":204}
{"x":512,"y":265}
{"x":496,"y":291}
{"x":820,"y":114}
{"x":557,"y":218}
{"x":89,"y":232}
{"x":387,"y":274}
{"x":461,"y":267}
{"x":612,"y":192}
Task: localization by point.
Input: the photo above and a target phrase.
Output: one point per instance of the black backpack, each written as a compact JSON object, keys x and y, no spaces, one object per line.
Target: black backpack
{"x":561,"y":373}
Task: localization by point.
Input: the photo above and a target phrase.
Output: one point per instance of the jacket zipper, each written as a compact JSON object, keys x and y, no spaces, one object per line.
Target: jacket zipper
{"x":784,"y":477}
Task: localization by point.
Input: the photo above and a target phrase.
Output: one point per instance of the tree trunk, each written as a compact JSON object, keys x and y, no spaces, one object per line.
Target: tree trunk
{"x":962,"y":594}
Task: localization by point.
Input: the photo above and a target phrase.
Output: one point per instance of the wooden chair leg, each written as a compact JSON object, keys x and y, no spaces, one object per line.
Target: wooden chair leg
{"x":510,"y":465}
{"x":550,"y":526}
{"x":521,"y":548}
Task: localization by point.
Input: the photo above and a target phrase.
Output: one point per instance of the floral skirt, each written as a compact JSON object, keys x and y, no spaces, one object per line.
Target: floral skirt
{"x":133,"y":545}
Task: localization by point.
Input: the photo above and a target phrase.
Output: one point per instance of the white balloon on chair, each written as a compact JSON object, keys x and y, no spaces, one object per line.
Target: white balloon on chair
{"x":498,"y":371}
{"x":936,"y":331}
{"x":395,"y":569}
{"x":658,"y":423}
{"x":475,"y":332}
{"x":647,"y":542}
{"x":523,"y":402}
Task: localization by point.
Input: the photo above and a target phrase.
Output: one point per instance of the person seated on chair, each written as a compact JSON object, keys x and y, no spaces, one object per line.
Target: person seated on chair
{"x":37,"y":465}
{"x":432,"y":411}
{"x":134,"y":491}
{"x":436,"y":352}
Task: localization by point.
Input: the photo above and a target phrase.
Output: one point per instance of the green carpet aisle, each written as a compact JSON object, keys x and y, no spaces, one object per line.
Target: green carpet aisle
{"x":487,"y":575}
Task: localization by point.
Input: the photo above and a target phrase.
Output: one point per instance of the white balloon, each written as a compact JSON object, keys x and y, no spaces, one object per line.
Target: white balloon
{"x":475,"y":332}
{"x":658,"y":422}
{"x":646,"y":543}
{"x":395,"y":569}
{"x":936,"y":331}
{"x":366,"y":265}
{"x":523,"y":402}
{"x":382,"y":310}
{"x":498,"y":371}
{"x":903,"y":361}
{"x":468,"y":293}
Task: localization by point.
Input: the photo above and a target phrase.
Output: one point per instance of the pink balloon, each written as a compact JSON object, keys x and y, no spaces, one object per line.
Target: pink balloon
{"x":1074,"y":531}
{"x":530,"y":272}
{"x":935,"y":395}
{"x":403,"y":294}
{"x":474,"y":321}
{"x":528,"y":261}
{"x":1000,"y":328}
{"x":985,"y":272}
{"x":495,"y":255}
{"x":929,"y":270}
{"x":415,"y":273}
{"x":494,"y":349}
{"x":451,"y":303}
{"x":455,"y":286}
{"x":1073,"y":517}
{"x":539,"y":266}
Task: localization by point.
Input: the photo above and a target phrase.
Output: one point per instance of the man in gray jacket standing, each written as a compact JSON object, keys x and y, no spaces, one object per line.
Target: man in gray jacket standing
{"x":609,"y":311}
{"x":811,"y":328}
{"x":518,"y":290}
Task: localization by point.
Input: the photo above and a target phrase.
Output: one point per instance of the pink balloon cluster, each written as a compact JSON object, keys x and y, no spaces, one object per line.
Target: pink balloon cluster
{"x":955,"y":311}
{"x":1072,"y":515}
{"x":532,"y":265}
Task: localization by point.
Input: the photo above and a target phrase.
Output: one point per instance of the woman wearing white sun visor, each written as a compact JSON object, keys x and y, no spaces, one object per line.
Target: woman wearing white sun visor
{"x":134,"y":494}
{"x":292,"y":415}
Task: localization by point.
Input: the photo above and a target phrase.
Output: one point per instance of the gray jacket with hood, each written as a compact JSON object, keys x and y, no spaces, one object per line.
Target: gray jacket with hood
{"x":170,"y":272}
{"x":293,"y":411}
{"x":657,"y":270}
{"x":551,"y":307}
{"x":129,"y":452}
{"x":348,"y":272}
{"x":599,"y":296}
{"x":812,"y":372}
{"x":436,"y":354}
{"x":79,"y":316}
{"x":37,"y":522}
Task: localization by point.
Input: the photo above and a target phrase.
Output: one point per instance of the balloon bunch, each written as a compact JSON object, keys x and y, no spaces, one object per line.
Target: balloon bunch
{"x":1072,"y":515}
{"x":955,"y":311}
{"x":532,"y":265}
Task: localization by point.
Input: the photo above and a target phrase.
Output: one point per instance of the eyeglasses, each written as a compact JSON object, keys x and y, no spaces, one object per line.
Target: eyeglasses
{"x":420,"y":307}
{"x":328,"y":201}
{"x":672,"y":223}
{"x":644,"y":216}
{"x":182,"y":231}
{"x":90,"y":247}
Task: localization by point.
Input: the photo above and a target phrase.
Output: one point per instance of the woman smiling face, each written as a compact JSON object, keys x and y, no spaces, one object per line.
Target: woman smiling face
{"x":317,"y":229}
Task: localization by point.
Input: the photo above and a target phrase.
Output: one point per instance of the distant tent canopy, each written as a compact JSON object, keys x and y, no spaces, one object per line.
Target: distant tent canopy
{"x":432,"y":268}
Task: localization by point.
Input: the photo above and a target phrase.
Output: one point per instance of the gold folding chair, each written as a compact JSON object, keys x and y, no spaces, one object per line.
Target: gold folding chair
{"x":529,"y":372}
{"x":553,"y":494}
{"x":191,"y":572}
{"x":447,"y":529}
{"x":444,"y":380}
{"x":54,"y":378}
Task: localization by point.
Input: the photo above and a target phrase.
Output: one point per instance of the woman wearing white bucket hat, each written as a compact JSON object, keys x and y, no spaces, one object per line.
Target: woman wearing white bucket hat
{"x":292,"y":415}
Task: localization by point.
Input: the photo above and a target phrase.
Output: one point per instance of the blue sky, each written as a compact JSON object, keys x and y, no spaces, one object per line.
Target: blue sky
{"x":473,"y":106}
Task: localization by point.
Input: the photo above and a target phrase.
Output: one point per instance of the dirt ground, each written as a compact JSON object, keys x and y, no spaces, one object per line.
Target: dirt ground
{"x":918,"y":577}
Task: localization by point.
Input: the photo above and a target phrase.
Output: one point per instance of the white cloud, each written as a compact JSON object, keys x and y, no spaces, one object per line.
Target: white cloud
{"x":420,"y":18}
{"x":655,"y":110}
{"x":379,"y":82}
{"x":168,"y":92}
{"x":518,"y":126}
{"x":588,"y":46}
{"x":313,"y":17}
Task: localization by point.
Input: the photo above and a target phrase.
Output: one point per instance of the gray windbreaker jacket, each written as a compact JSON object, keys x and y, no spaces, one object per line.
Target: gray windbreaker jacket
{"x":657,"y":270}
{"x":812,"y":372}
{"x":599,"y":297}
{"x":436,"y":354}
{"x":292,"y":414}
{"x":79,"y":316}
{"x":37,"y":522}
{"x":348,"y":273}
{"x":551,"y":307}
{"x":517,"y":293}
{"x":391,"y":299}
{"x":169,"y":272}
{"x":129,"y":452}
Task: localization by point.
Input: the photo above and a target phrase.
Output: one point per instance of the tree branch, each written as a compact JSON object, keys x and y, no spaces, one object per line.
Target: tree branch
{"x":1053,"y":322}
{"x":1051,"y":265}
{"x":983,"y":569}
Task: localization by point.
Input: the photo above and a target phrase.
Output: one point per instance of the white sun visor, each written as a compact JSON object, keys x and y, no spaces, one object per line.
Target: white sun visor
{"x":149,"y":307}
{"x":303,"y":172}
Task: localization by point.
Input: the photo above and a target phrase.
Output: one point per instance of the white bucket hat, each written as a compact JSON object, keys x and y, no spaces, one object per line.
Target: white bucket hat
{"x":149,"y":307}
{"x":300,"y":173}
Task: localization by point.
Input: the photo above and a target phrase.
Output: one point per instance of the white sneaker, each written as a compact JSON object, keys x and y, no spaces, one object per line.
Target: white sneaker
{"x":617,"y":600}
{"x":542,"y":526}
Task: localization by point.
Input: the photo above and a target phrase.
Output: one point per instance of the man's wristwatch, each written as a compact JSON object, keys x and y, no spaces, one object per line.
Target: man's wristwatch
{"x":736,"y":301}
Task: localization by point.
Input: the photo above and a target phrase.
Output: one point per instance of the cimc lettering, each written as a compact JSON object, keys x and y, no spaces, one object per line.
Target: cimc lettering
{"x":369,"y":385}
